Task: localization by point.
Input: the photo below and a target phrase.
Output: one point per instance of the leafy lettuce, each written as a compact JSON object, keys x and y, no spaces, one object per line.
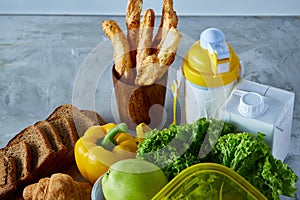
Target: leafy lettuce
{"x":251,"y":157}
{"x":180,"y":146}
{"x":177,"y":147}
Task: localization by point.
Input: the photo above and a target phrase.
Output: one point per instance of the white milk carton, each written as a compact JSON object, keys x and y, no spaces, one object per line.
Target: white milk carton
{"x":253,"y":108}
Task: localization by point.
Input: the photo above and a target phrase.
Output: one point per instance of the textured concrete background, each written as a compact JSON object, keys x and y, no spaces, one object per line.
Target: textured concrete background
{"x":183,"y":8}
{"x":44,"y":63}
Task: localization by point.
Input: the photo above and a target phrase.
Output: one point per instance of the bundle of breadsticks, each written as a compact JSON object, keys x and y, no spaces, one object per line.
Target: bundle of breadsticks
{"x":140,"y":57}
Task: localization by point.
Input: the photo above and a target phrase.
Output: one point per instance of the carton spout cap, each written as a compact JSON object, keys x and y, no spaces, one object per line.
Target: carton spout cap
{"x":251,"y":104}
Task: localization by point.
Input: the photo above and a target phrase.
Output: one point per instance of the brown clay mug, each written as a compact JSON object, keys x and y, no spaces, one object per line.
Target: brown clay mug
{"x":140,"y":104}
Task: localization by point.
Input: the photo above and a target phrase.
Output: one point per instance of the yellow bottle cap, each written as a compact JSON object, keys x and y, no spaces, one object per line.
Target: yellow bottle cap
{"x":203,"y":68}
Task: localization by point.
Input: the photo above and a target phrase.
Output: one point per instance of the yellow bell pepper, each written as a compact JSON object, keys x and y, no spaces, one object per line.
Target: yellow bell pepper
{"x":141,"y":131}
{"x":100,"y":147}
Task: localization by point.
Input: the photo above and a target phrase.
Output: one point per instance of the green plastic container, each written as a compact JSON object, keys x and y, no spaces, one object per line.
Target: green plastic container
{"x":209,"y":181}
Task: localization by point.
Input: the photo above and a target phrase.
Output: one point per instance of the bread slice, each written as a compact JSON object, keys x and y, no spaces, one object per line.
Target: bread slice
{"x":80,"y":121}
{"x":94,"y":116}
{"x":68,"y":135}
{"x":21,"y":154}
{"x":8,"y":176}
{"x":55,"y":141}
{"x":42,"y":153}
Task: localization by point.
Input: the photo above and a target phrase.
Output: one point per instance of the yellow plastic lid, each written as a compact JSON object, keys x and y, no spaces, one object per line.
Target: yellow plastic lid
{"x":209,"y":181}
{"x":201,"y":68}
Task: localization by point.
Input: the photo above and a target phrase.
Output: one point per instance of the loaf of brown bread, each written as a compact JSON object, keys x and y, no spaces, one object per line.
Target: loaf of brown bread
{"x":43,"y":148}
{"x":41,"y":151}
{"x":21,"y":153}
{"x":55,"y":141}
{"x":94,"y":116}
{"x":67,"y":132}
{"x":73,"y":114}
{"x":8,"y":176}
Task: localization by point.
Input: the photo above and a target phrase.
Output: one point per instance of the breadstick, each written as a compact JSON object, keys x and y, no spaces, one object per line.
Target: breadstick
{"x":155,"y":66}
{"x":168,"y":19}
{"x":169,"y":47}
{"x":145,"y":38}
{"x":148,"y":71}
{"x":167,"y":6}
{"x":133,"y":13}
{"x":123,"y":64}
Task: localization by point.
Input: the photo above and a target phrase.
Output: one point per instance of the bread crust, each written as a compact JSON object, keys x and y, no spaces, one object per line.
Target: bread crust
{"x":80,"y":121}
{"x":8,"y":176}
{"x":94,"y":116}
{"x":21,"y":153}
{"x":42,"y":153}
{"x":69,"y":136}
{"x":123,"y":63}
{"x":55,"y":141}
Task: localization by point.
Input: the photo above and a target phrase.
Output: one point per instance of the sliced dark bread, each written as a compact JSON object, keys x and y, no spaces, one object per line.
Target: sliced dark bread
{"x":55,"y":141}
{"x":81,"y":122}
{"x":42,"y":153}
{"x":8,"y":176}
{"x":68,"y":135}
{"x":21,"y":153}
{"x":94,"y":116}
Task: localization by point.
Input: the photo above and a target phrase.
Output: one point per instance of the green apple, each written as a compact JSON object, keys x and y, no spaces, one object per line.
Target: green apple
{"x":133,"y":179}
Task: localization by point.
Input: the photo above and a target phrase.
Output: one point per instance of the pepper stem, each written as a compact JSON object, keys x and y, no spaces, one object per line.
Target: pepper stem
{"x":108,"y":141}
